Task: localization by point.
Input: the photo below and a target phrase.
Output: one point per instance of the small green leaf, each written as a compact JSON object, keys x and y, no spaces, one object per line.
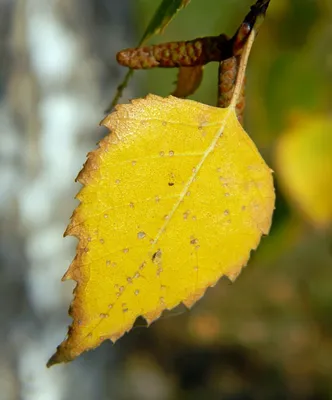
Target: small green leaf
{"x":162,"y":17}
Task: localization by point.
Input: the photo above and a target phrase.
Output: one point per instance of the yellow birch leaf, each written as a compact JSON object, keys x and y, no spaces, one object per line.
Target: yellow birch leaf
{"x":175,"y":197}
{"x":304,"y":164}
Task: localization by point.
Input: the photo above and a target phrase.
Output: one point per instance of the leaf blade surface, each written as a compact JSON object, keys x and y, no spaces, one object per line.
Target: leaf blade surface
{"x":175,"y":197}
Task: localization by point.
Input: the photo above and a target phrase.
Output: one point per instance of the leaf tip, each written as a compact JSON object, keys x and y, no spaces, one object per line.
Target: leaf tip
{"x":232,"y":275}
{"x":54,"y":359}
{"x":61,"y":355}
{"x":67,"y":276}
{"x":194,"y":297}
{"x":68,"y":231}
{"x":105,"y":121}
{"x":73,"y":271}
{"x":152,"y":316}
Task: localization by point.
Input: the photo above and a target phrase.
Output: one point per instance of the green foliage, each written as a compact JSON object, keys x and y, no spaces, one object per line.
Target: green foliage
{"x":162,"y":17}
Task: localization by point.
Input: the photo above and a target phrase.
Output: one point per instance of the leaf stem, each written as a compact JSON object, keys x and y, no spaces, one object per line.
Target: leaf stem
{"x":242,"y":69}
{"x":255,"y":17}
{"x":119,"y":91}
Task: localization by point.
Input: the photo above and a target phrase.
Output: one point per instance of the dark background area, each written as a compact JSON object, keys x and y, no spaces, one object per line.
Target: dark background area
{"x":268,"y":335}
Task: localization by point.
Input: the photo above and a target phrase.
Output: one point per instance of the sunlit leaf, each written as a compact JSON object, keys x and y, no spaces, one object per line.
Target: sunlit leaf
{"x":175,"y":197}
{"x":304,"y":165}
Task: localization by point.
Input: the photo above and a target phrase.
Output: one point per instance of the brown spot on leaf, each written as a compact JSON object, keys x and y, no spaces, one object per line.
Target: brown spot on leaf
{"x":141,"y":235}
{"x":186,"y":215}
{"x":156,"y":258}
{"x":193,"y":241}
{"x":142,"y":266}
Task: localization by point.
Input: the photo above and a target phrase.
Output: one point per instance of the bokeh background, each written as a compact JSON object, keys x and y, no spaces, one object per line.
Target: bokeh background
{"x":269,"y":335}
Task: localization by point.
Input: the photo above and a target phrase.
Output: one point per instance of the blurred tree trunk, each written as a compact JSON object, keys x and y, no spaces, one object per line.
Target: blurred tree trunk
{"x":58,"y":73}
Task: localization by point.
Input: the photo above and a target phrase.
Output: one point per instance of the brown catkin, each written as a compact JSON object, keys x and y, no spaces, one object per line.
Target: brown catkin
{"x":177,"y":54}
{"x":228,"y":70}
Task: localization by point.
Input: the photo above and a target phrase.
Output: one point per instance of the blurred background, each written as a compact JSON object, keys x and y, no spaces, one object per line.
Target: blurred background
{"x":269,"y":335}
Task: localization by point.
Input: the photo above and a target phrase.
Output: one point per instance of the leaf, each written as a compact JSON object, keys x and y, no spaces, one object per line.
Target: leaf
{"x":162,"y":17}
{"x":175,"y":197}
{"x":304,"y":164}
{"x":188,"y":81}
